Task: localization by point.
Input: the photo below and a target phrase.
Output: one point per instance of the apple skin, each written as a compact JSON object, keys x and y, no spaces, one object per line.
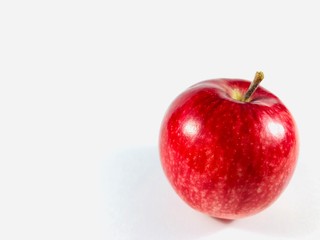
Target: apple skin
{"x":227,"y":158}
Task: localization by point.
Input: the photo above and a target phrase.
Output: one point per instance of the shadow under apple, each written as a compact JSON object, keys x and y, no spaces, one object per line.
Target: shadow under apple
{"x":141,"y":204}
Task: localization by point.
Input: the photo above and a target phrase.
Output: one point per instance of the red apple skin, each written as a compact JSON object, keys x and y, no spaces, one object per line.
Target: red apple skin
{"x":227,"y":158}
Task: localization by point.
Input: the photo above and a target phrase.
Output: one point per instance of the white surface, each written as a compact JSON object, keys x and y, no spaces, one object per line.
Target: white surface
{"x":84,"y":86}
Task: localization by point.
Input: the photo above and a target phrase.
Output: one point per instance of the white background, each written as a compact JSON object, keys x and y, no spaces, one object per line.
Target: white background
{"x":83,"y":89}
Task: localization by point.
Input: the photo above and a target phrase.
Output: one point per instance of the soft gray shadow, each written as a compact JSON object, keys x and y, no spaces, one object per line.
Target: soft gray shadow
{"x":141,"y":204}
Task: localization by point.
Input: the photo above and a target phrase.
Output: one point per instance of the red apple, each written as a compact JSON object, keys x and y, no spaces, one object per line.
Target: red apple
{"x":228,"y":151}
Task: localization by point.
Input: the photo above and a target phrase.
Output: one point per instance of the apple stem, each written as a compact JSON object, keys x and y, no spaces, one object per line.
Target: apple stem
{"x":253,"y":86}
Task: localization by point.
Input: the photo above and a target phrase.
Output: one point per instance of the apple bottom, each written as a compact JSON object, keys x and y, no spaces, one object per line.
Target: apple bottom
{"x":221,"y":201}
{"x":227,"y":198}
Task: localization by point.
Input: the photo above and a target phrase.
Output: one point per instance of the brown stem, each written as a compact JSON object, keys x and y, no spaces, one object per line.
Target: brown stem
{"x":253,"y":86}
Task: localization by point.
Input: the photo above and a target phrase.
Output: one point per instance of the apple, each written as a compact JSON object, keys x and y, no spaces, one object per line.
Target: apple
{"x":228,"y":147}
